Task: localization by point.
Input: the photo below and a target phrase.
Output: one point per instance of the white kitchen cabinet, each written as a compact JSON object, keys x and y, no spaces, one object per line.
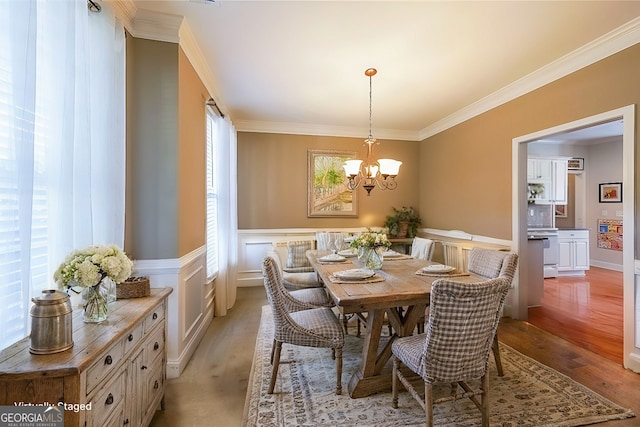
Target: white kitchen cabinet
{"x":573,"y":252}
{"x":547,"y":179}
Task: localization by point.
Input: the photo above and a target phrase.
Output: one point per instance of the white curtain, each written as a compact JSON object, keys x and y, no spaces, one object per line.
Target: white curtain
{"x":227,"y":216}
{"x":62,"y":146}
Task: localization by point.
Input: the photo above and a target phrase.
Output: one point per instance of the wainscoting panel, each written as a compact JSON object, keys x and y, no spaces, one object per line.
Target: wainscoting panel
{"x":190,"y":309}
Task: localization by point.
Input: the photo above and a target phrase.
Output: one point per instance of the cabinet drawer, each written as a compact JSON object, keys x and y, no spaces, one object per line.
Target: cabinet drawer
{"x":133,"y":338}
{"x":108,"y":399}
{"x":155,"y":345}
{"x":104,"y":365}
{"x":153,"y":318}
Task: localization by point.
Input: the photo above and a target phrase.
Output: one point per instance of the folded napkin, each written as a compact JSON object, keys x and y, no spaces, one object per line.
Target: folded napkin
{"x":373,"y":279}
{"x":453,"y":273}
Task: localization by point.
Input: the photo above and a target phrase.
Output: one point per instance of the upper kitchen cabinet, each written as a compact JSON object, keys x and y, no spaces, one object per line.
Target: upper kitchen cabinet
{"x":547,"y":178}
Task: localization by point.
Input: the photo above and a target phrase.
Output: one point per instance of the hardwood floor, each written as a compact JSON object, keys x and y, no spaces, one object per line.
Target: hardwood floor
{"x":585,"y":310}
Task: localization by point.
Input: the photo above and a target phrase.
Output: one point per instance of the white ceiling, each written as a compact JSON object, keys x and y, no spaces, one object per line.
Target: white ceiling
{"x":298,"y":66}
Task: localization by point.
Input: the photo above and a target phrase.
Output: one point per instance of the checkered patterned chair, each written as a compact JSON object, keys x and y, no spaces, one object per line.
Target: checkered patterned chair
{"x":302,"y":299}
{"x":316,"y":327}
{"x":490,"y":263}
{"x":294,"y":281}
{"x":463,"y":319}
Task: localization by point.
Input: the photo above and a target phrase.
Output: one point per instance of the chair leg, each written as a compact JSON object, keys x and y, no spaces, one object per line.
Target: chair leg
{"x":394,"y":383}
{"x":496,"y":354}
{"x":484,"y":386}
{"x":428,"y":403}
{"x":338,"y":370}
{"x":276,"y":364}
{"x":273,"y":348}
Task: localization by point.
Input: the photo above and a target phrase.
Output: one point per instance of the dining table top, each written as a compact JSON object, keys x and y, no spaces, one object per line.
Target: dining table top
{"x":400,"y":282}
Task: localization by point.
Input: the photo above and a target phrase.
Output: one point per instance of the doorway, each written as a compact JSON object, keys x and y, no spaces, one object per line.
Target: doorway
{"x":519,"y":308}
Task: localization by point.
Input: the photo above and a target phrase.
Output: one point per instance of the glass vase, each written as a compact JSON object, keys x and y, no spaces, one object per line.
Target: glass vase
{"x":95,"y":303}
{"x":371,"y":258}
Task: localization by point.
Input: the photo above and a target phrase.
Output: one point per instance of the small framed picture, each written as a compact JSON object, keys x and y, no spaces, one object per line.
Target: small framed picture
{"x":561,"y":211}
{"x":575,"y":164}
{"x":611,"y":192}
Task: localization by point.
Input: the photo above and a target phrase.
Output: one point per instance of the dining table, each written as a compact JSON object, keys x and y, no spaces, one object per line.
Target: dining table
{"x":399,"y":293}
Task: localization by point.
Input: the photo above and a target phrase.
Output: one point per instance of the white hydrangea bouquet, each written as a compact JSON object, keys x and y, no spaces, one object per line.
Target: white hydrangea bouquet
{"x":89,"y":268}
{"x":371,"y":245}
{"x":371,"y":239}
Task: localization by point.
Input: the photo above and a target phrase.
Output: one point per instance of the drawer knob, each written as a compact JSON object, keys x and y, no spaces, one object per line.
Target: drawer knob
{"x":126,"y":422}
{"x":109,"y":400}
{"x":156,"y":346}
{"x":143,"y":367}
{"x":130,"y":337}
{"x":108,"y":360}
{"x":155,"y":316}
{"x":156,"y":385}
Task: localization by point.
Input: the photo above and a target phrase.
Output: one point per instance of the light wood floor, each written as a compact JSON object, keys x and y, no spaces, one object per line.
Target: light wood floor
{"x":212,"y":388}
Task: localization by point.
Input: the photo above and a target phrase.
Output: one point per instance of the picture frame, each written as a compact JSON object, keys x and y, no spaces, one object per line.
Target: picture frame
{"x":327,"y":191}
{"x":561,"y":211}
{"x":610,"y":192}
{"x":575,"y":164}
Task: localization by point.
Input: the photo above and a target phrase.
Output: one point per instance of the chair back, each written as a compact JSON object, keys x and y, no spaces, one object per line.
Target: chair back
{"x":275,"y":288}
{"x":422,"y":248}
{"x":487,"y":263}
{"x":463,"y":319}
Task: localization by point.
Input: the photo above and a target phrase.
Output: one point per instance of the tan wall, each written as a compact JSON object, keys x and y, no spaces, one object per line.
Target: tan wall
{"x":191,"y":158}
{"x":165,"y":210}
{"x":468,"y":167}
{"x":272,"y":181}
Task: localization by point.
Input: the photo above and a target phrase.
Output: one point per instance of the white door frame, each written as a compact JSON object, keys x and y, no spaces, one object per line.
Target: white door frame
{"x":519,"y":227}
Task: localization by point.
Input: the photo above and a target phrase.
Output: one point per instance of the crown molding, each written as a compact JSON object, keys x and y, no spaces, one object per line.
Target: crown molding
{"x":173,"y":28}
{"x":321,"y":130}
{"x":613,"y":42}
{"x":169,"y":28}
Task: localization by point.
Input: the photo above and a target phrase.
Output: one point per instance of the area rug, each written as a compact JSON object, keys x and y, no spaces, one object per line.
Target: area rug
{"x":529,"y":394}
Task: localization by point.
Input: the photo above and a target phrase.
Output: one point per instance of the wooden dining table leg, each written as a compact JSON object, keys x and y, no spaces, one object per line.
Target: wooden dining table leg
{"x":374,"y":375}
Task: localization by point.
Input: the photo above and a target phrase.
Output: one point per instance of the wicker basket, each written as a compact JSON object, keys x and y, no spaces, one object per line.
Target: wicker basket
{"x":133,"y":287}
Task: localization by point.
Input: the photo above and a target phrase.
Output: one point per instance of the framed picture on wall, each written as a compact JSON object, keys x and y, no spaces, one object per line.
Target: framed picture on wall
{"x":611,"y":192}
{"x":327,"y":192}
{"x":575,"y":164}
{"x":561,"y":211}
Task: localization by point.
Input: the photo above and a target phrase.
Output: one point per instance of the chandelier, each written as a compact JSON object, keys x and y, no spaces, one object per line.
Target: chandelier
{"x":382,"y":172}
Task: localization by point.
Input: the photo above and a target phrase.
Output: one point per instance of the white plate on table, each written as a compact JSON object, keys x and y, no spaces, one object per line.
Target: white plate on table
{"x":347,"y":252}
{"x":332,"y":258}
{"x":354,"y":274}
{"x":438,"y":268}
{"x":391,"y":254}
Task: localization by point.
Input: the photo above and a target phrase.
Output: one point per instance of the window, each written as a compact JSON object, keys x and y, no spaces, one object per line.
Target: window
{"x":57,"y":130}
{"x":212,"y":196}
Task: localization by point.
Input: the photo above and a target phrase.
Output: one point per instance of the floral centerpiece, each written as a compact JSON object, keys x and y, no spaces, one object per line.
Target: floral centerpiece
{"x":89,"y":268}
{"x":371,"y":245}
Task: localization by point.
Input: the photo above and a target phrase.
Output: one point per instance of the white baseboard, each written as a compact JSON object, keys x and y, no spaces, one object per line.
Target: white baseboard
{"x":607,"y":265}
{"x":177,"y":365}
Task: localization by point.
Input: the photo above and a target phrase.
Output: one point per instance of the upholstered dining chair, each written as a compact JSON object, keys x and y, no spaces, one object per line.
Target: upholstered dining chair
{"x":455,"y":348}
{"x":489,"y":264}
{"x":422,"y":248}
{"x":301,"y":299}
{"x":316,"y":327}
{"x":294,"y":281}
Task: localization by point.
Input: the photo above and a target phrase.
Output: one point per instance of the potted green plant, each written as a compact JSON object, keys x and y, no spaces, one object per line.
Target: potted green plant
{"x":403,"y":222}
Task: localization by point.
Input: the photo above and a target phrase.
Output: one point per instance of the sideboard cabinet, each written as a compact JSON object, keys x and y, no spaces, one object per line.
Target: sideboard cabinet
{"x":114,"y":375}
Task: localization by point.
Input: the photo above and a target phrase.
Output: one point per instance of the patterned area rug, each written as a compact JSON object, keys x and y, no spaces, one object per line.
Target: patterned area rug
{"x":529,"y":394}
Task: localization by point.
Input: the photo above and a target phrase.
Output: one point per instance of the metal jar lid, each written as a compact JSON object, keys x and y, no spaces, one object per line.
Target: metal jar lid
{"x":50,"y":303}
